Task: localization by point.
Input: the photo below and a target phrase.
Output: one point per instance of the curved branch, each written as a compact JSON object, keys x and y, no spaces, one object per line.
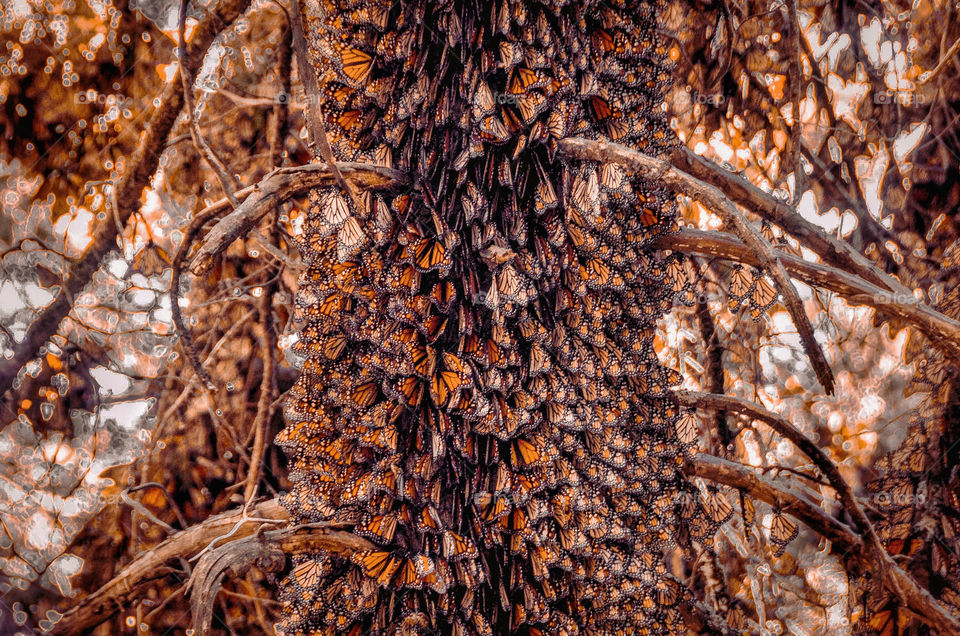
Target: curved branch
{"x":897,"y":581}
{"x":143,"y":163}
{"x":831,"y":249}
{"x":277,"y":187}
{"x":125,"y":586}
{"x":660,"y":170}
{"x":271,"y":548}
{"x":943,"y":331}
{"x":731,"y":404}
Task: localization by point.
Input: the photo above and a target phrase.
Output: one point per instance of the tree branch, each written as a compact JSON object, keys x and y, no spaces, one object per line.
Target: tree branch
{"x":711,"y":196}
{"x":126,"y":585}
{"x":943,"y":331}
{"x":831,"y":249}
{"x":142,"y":165}
{"x":796,"y":504}
{"x":899,"y":582}
{"x":274,"y":189}
{"x":271,"y":547}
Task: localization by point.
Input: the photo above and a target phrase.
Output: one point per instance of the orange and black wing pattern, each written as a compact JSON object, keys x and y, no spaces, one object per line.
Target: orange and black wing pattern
{"x":480,"y":398}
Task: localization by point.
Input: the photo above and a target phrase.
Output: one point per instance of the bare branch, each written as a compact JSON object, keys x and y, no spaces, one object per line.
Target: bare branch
{"x":731,"y":404}
{"x":238,"y":556}
{"x":795,"y":503}
{"x":126,"y":585}
{"x":278,"y":187}
{"x":899,"y":582}
{"x":943,"y":331}
{"x":227,"y":182}
{"x":142,"y":165}
{"x":831,"y":249}
{"x":711,"y":196}
{"x":926,"y":78}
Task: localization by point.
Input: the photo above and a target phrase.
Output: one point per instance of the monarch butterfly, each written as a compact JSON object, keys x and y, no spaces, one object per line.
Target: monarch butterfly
{"x":379,"y":565}
{"x":763,"y":297}
{"x":492,"y":129}
{"x":424,"y":361}
{"x":377,"y":15}
{"x":350,"y":238}
{"x":354,"y":65}
{"x":619,"y":127}
{"x":457,"y":547}
{"x":717,"y":506}
{"x":309,"y":573}
{"x":380,"y":527}
{"x":365,"y":395}
{"x":783,"y":530}
{"x":526,"y":453}
{"x":531,"y":106}
{"x":443,"y":295}
{"x":741,"y":283}
{"x":348,"y":120}
{"x":688,"y":428}
{"x":447,"y":382}
{"x":430,"y":254}
{"x":540,"y":361}
{"x":586,"y":194}
{"x":511,"y":285}
{"x":510,"y":54}
{"x":401,"y":277}
{"x":335,"y":209}
{"x":410,"y":390}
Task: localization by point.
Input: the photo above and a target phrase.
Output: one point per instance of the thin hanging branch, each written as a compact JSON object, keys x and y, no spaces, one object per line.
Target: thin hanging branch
{"x":143,"y":163}
{"x":318,"y":132}
{"x":660,"y":170}
{"x":186,"y":339}
{"x":266,"y":331}
{"x":227,"y":182}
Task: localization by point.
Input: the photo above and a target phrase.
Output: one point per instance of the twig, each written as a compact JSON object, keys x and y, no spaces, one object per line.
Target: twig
{"x":730,"y":404}
{"x":170,"y":500}
{"x":660,"y":170}
{"x":928,"y":77}
{"x":268,"y":347}
{"x":267,"y":335}
{"x":186,"y":76}
{"x":943,"y":331}
{"x":796,"y":72}
{"x":713,"y":369}
{"x":143,"y":163}
{"x":760,"y":488}
{"x":927,"y":608}
{"x":186,"y":340}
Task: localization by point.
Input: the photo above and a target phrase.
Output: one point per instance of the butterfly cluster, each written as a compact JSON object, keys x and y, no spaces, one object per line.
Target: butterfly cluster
{"x":480,"y":396}
{"x":918,"y":489}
